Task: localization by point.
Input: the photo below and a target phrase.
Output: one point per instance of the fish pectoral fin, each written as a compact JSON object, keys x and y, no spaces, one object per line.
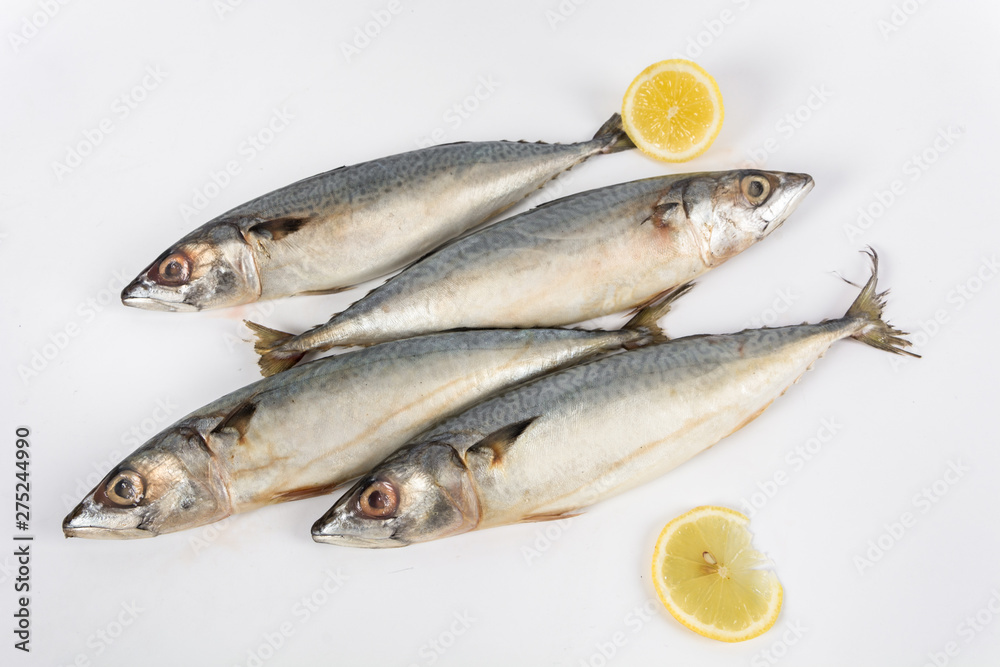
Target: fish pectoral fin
{"x":647,"y":315}
{"x":238,"y":418}
{"x":667,"y":212}
{"x":330,"y":290}
{"x":491,"y":449}
{"x":304,"y":492}
{"x":656,"y":306}
{"x":276,"y":229}
{"x":551,"y":516}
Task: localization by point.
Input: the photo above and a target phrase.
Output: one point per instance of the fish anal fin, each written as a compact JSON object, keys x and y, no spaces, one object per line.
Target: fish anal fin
{"x":494,"y":446}
{"x":238,"y":419}
{"x":278,"y":228}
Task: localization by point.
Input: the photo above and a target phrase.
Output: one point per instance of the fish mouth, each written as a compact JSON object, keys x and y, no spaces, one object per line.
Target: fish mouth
{"x":794,"y":187}
{"x":82,"y":522}
{"x":98,"y":533}
{"x":805,"y":186}
{"x":143,"y":293}
{"x":324,"y":534}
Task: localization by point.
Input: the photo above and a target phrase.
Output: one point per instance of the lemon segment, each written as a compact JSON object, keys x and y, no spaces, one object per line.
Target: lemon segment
{"x":673,"y":110}
{"x":710,"y":577}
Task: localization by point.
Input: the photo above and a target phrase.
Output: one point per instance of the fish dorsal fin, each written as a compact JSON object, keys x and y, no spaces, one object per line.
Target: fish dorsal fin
{"x":491,"y":449}
{"x":278,"y":228}
{"x":238,"y":418}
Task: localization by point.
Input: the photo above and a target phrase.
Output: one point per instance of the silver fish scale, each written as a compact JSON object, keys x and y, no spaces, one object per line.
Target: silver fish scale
{"x":630,"y":371}
{"x":419,"y":346}
{"x":519,"y":231}
{"x":370,"y":180}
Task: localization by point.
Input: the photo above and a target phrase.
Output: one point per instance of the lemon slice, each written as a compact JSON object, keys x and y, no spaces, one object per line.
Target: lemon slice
{"x":673,"y":110}
{"x":711,"y":578}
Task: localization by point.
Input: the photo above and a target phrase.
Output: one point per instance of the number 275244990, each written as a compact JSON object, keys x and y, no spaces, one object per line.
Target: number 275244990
{"x":22,"y":489}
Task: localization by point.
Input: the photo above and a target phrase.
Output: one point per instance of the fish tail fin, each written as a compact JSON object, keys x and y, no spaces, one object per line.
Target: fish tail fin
{"x":267,"y":338}
{"x":268,"y":345}
{"x":867,"y":310}
{"x":272,"y":363}
{"x":647,"y":316}
{"x":614,"y":134}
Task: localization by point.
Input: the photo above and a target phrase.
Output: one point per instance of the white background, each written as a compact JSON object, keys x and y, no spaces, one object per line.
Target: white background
{"x":540,"y":594}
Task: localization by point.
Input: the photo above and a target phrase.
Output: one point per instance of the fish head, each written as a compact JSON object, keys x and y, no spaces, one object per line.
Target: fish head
{"x":732,"y":210}
{"x":169,"y":484}
{"x":422,"y":492}
{"x":213,"y":267}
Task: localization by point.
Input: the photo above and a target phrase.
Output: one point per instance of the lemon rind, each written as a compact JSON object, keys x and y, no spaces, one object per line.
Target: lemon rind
{"x":754,"y":630}
{"x":715,"y":95}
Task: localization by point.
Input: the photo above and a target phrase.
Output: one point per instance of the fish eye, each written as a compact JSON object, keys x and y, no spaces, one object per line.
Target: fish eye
{"x":378,"y":500}
{"x":755,"y":189}
{"x":125,"y":489}
{"x":175,"y":269}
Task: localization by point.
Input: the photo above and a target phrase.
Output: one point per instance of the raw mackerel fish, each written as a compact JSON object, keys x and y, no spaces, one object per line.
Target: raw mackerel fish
{"x":335,"y":230}
{"x":550,"y":447}
{"x":587,"y":255}
{"x":304,"y":432}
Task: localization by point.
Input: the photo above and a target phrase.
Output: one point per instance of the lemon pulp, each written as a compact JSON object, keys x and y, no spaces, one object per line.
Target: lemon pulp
{"x":710,"y":577}
{"x":673,"y":110}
